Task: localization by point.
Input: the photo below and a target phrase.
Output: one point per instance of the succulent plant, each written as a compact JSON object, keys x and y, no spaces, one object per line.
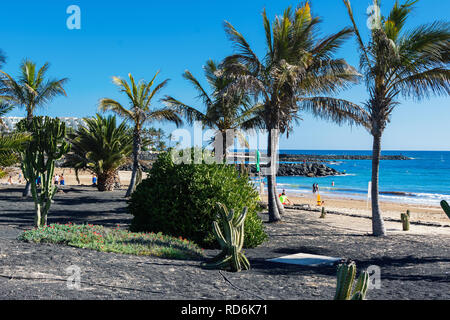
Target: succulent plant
{"x":47,"y":145}
{"x":345,"y":279}
{"x":405,"y":220}
{"x":231,"y":241}
{"x":445,"y":207}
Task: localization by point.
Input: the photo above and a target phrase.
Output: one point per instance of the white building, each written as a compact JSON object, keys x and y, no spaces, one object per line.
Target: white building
{"x":10,"y":122}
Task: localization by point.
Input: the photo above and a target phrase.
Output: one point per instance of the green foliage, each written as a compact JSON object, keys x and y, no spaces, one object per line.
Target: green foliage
{"x":405,"y":220}
{"x":10,"y":146}
{"x":47,"y":145}
{"x":101,"y":147}
{"x":345,"y":279}
{"x":231,"y":241}
{"x":445,"y":207}
{"x":114,"y":240}
{"x":180,"y":200}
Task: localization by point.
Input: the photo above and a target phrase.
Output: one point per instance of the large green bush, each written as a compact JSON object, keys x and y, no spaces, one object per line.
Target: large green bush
{"x":181,"y":200}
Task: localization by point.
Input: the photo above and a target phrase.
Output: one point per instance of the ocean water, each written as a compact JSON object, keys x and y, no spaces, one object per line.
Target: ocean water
{"x":425,"y":179}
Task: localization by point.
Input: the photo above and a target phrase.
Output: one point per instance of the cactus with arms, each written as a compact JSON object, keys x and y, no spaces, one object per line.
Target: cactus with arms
{"x":231,"y":241}
{"x":445,"y":207}
{"x":345,"y":279}
{"x":405,"y":220}
{"x":48,"y":144}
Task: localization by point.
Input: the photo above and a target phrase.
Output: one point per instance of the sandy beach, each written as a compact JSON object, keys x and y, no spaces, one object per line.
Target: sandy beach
{"x":418,"y":212}
{"x":69,"y":177}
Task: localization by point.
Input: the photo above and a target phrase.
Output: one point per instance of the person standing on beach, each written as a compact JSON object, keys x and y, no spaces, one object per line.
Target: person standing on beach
{"x":56,"y":179}
{"x":314,"y":188}
{"x":61,"y":180}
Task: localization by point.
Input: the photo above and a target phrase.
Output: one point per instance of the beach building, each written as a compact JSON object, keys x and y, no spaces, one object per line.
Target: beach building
{"x":11,"y":122}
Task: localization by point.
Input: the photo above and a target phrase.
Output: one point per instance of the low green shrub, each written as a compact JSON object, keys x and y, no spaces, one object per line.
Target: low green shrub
{"x":114,"y":240}
{"x":181,"y":200}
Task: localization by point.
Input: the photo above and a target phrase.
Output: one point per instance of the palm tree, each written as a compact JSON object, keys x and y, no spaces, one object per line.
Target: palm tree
{"x":30,"y":91}
{"x":154,"y":139}
{"x":100,"y":147}
{"x":297,"y":66}
{"x":140,"y":96}
{"x":397,"y":63}
{"x":225,"y":110}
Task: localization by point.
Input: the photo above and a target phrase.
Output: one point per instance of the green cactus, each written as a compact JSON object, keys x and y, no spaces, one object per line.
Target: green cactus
{"x":445,"y":207}
{"x":231,"y":241}
{"x":405,"y":220}
{"x":48,"y":144}
{"x":345,"y":279}
{"x":323,"y":214}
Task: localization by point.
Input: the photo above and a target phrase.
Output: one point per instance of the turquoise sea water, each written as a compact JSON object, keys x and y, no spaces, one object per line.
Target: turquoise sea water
{"x":424,"y":179}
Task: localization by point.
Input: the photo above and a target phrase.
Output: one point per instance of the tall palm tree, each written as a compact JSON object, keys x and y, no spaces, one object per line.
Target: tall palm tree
{"x":398,"y":63}
{"x":101,"y":147}
{"x":226,"y":111}
{"x":30,"y":90}
{"x":140,"y":96}
{"x":296,"y":68}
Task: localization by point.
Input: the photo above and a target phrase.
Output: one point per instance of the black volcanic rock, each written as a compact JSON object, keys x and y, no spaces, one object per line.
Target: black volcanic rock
{"x":315,"y":157}
{"x":313,"y":169}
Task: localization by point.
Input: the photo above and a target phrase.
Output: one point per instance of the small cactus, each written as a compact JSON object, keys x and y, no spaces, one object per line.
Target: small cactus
{"x":345,"y":279}
{"x":231,"y":241}
{"x":405,"y":220}
{"x":445,"y":207}
{"x":323,"y":214}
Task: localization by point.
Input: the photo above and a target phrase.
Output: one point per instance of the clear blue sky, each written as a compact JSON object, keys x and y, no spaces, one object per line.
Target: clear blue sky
{"x":141,"y":37}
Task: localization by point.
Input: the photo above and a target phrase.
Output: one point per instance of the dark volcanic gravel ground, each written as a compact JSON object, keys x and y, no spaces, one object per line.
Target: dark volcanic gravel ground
{"x":412,"y":267}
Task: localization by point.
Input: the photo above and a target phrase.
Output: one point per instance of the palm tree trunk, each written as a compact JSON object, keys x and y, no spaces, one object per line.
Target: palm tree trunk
{"x":105,"y":181}
{"x":378,"y":228}
{"x":136,"y":150}
{"x":224,"y":145}
{"x":27,"y":191}
{"x":275,"y":161}
{"x":274,"y":213}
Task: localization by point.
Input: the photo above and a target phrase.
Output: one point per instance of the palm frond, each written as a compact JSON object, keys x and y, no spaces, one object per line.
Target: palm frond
{"x":337,"y":110}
